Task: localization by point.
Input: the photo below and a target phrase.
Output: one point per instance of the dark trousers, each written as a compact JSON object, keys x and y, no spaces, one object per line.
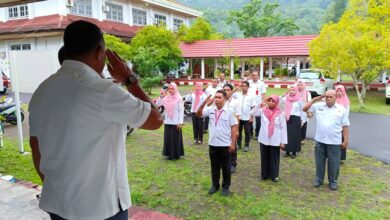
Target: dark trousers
{"x":246,"y":126}
{"x":303,"y":131}
{"x":332,"y":153}
{"x":343,"y":155}
{"x":197,"y":127}
{"x":258,"y":125}
{"x":121,"y":215}
{"x":270,"y":160}
{"x":233,"y":158}
{"x":206,"y":124}
{"x":220,"y":159}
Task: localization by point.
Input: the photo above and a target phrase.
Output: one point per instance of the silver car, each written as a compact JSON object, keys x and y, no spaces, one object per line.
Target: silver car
{"x":315,"y":81}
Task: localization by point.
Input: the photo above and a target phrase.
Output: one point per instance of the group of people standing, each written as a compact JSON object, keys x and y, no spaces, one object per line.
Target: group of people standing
{"x":225,"y":112}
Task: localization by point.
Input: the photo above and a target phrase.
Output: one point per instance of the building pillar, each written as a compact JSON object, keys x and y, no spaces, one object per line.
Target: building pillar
{"x":270,"y":67}
{"x":242,"y":68}
{"x":190,"y":67}
{"x":261,"y":68}
{"x":298,"y":67}
{"x":202,"y":69}
{"x":231,"y":68}
{"x":215,"y":66}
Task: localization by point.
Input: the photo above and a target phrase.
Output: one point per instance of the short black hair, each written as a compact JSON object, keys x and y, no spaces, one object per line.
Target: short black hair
{"x":246,"y":83}
{"x":81,"y":37}
{"x":222,"y":92}
{"x":61,"y":55}
{"x":228,"y":85}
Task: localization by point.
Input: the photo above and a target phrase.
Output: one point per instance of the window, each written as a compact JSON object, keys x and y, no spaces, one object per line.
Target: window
{"x":160,"y":19}
{"x":19,"y":11}
{"x":177,"y":23}
{"x":139,"y":17}
{"x":21,"y":47}
{"x":82,"y":7}
{"x":115,"y":12}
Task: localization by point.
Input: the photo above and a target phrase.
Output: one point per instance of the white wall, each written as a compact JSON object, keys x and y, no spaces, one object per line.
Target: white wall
{"x":45,"y":8}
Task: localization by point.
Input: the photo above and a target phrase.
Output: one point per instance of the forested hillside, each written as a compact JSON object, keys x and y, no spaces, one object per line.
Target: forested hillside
{"x":309,"y":15}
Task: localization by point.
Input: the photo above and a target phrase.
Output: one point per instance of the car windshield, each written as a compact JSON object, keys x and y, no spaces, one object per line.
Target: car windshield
{"x":309,"y":75}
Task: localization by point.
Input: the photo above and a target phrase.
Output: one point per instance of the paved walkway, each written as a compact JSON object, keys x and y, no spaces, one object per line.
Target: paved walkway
{"x":18,"y":202}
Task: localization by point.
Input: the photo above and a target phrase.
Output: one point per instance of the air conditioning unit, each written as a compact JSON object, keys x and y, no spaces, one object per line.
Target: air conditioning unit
{"x":69,"y":3}
{"x":106,"y":8}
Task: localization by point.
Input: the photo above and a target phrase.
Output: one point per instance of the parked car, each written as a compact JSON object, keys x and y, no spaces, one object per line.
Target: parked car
{"x":388,"y":92}
{"x":6,"y":83}
{"x":291,"y":69}
{"x":315,"y":81}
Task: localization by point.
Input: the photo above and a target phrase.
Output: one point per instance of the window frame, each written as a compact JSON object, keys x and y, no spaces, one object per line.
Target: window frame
{"x":14,"y":12}
{"x":20,"y":47}
{"x":139,"y":15}
{"x":80,"y":7}
{"x":175,"y":27}
{"x":118,"y":8}
{"x":158,"y":18}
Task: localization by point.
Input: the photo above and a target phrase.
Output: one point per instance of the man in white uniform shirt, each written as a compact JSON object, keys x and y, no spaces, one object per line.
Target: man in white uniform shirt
{"x":210,"y":90}
{"x":221,"y":81}
{"x":78,"y":144}
{"x":222,"y":139}
{"x":332,"y":121}
{"x":257,"y":88}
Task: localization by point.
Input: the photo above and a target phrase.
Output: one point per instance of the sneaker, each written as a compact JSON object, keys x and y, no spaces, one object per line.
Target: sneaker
{"x":293,"y":156}
{"x":275,"y":180}
{"x":232,"y":169}
{"x":195,"y":141}
{"x":246,"y":148}
{"x":200,"y":142}
{"x":225,"y":192}
{"x":213,"y":190}
{"x":317,"y":183}
{"x":333,"y":186}
{"x":286,"y":154}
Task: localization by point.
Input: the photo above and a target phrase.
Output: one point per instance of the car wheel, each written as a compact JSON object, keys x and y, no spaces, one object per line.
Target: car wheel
{"x":4,"y":91}
{"x":388,"y":101}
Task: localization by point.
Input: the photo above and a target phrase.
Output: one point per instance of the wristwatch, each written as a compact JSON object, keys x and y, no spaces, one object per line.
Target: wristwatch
{"x":131,"y":80}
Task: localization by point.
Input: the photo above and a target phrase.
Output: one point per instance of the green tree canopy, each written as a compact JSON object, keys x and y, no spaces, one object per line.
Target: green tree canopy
{"x":200,"y":30}
{"x":359,"y":44}
{"x":256,"y":20}
{"x":335,"y":10}
{"x":116,"y":44}
{"x":154,"y":50}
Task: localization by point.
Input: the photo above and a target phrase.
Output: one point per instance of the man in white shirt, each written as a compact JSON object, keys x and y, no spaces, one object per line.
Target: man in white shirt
{"x":221,"y":81}
{"x":222,"y":139}
{"x":332,"y":121}
{"x":258,"y":90}
{"x":247,"y":102}
{"x":210,"y":90}
{"x":78,"y":143}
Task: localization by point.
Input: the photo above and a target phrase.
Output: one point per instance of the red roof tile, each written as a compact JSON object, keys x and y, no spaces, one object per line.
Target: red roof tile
{"x":59,"y":22}
{"x":249,"y":47}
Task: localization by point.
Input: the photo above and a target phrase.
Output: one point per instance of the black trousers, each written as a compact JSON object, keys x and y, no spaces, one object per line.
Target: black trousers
{"x":343,"y":155}
{"x":246,"y":126}
{"x":303,"y":131}
{"x":258,"y":125}
{"x":270,"y":160}
{"x":197,"y":127}
{"x":206,"y":124}
{"x":121,"y":215}
{"x":220,"y":159}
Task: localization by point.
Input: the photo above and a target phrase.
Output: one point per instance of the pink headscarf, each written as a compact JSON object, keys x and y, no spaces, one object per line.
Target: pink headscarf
{"x":170,"y":101}
{"x":289,"y":102}
{"x":198,"y":94}
{"x":271,"y":114}
{"x":303,"y":93}
{"x":343,"y":100}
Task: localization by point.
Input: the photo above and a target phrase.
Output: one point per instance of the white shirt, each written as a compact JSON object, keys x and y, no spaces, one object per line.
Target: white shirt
{"x":80,"y":122}
{"x":221,"y":84}
{"x":178,"y":115}
{"x":304,"y":117}
{"x":257,"y":89}
{"x":280,"y":130}
{"x":191,"y":98}
{"x":233,"y":105}
{"x":220,"y":131}
{"x":247,"y":102}
{"x":330,"y":122}
{"x":297,"y":107}
{"x":211,"y":90}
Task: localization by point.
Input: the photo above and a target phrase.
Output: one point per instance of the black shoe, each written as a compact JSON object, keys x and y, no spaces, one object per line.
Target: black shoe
{"x":286,"y":155}
{"x":275,"y":180}
{"x":232,"y":169}
{"x":333,"y":186}
{"x":225,"y":192}
{"x":195,"y":141}
{"x":317,"y":183}
{"x":213,"y":190}
{"x":293,"y":156}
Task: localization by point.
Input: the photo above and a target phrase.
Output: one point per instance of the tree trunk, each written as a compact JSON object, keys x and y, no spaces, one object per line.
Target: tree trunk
{"x":359,"y":94}
{"x":364,"y":89}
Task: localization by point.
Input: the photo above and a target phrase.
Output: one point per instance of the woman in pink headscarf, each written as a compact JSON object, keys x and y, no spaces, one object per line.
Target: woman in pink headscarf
{"x":196,"y":97}
{"x":272,"y":136}
{"x":173,"y":122}
{"x":305,"y":97}
{"x":293,"y":111}
{"x":342,"y":99}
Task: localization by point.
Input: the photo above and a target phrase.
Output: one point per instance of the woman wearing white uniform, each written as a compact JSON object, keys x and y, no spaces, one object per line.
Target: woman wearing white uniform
{"x":305,"y":97}
{"x":173,"y":122}
{"x":197,"y":97}
{"x":293,"y":111}
{"x":342,"y":99}
{"x":272,"y":136}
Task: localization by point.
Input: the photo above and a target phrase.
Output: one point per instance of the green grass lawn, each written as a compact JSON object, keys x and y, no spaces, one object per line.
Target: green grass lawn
{"x":180,"y":187}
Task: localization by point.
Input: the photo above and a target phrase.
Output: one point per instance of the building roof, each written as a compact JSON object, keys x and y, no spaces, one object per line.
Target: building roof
{"x":59,"y":22}
{"x":249,"y":47}
{"x":174,"y":5}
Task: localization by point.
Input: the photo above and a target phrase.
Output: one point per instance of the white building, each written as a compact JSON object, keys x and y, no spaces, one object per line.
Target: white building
{"x":39,"y":26}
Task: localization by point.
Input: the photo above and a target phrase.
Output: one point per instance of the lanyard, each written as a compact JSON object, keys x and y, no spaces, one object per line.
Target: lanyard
{"x":217,"y":116}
